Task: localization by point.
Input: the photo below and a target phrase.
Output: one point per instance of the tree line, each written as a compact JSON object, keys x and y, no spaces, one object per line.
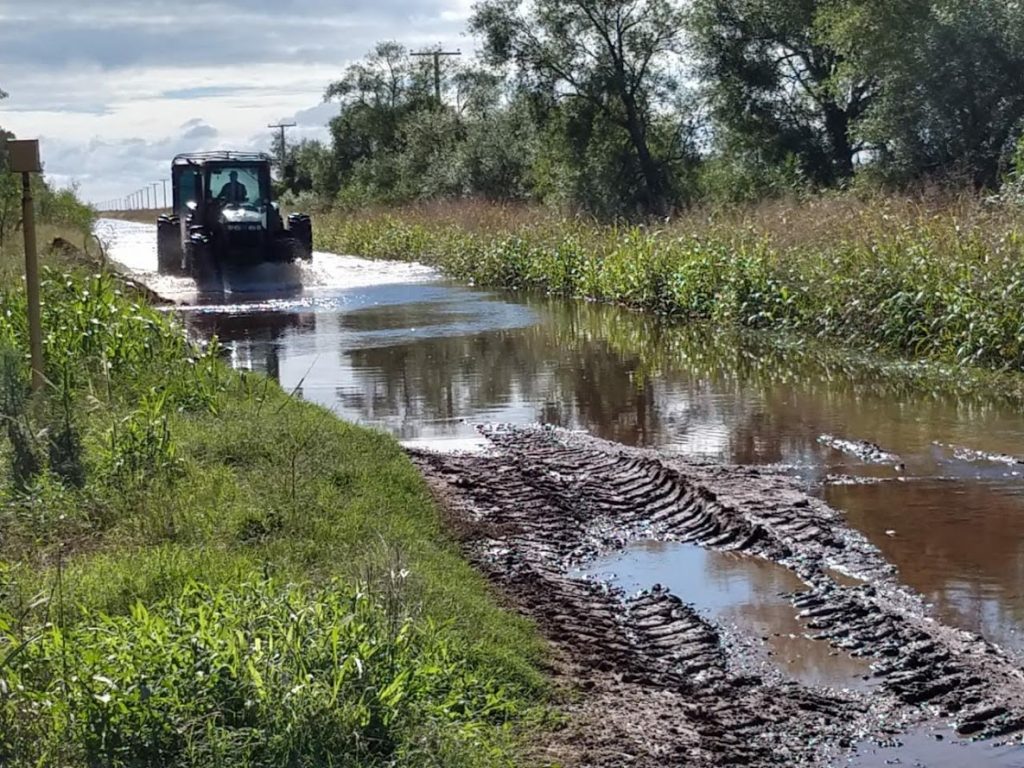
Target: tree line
{"x":625,"y":107}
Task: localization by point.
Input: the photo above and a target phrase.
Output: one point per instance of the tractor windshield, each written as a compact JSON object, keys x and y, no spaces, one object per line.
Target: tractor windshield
{"x":238,"y":186}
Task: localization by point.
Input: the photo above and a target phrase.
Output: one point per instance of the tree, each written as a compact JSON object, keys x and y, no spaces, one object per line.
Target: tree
{"x":612,"y":57}
{"x":952,"y":82}
{"x":307,"y":169}
{"x":375,"y":95}
{"x":777,"y":86}
{"x":10,"y":192}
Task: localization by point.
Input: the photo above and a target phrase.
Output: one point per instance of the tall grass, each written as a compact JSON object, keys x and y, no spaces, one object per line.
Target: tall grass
{"x":197,"y":569}
{"x":941,"y":279}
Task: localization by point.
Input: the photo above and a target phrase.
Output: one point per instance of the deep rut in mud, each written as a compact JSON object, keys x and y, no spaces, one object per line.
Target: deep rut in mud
{"x":660,"y":684}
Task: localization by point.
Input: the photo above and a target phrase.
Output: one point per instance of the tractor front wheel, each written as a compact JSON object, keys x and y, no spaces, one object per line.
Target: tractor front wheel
{"x":202,"y":265}
{"x":168,"y":246}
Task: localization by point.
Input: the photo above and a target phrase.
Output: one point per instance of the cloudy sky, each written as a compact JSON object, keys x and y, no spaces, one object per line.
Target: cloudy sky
{"x":114,"y":89}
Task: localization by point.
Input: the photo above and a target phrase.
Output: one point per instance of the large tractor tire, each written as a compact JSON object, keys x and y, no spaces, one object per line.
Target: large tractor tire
{"x":202,"y":264}
{"x":168,"y":246}
{"x":289,"y":249}
{"x":301,"y":229}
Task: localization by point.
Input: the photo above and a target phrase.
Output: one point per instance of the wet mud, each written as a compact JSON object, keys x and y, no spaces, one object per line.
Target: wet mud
{"x":655,"y":682}
{"x":861,"y":449}
{"x":963,"y":453}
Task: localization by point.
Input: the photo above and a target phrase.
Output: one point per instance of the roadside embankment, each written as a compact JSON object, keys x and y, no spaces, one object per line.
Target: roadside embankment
{"x":197,"y":568}
{"x":939,"y":281}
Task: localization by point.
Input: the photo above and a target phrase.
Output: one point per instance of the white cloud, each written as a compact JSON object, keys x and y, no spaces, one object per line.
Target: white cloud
{"x":111,"y":89}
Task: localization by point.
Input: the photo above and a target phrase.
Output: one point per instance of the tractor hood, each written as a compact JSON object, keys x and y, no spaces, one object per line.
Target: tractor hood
{"x":244,"y":216}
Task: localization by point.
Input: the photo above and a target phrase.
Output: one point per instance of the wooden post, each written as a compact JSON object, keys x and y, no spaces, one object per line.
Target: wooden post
{"x":24,"y":159}
{"x":35,"y":321}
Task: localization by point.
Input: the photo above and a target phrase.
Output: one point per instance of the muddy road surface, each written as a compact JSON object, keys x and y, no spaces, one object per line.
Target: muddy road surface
{"x":743,"y":554}
{"x":664,"y":685}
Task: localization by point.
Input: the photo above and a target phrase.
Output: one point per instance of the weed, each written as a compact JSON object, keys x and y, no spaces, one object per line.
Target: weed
{"x":937,"y":279}
{"x":25,"y":460}
{"x":270,"y":674}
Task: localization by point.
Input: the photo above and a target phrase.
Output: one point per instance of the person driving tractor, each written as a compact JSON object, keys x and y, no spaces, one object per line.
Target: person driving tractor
{"x":234,"y":192}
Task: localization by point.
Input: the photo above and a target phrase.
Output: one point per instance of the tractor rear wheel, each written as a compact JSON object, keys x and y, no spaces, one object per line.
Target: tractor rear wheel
{"x":301,"y":229}
{"x":168,"y":246}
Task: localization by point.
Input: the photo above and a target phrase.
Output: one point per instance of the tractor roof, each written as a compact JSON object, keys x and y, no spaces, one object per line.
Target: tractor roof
{"x":204,"y":158}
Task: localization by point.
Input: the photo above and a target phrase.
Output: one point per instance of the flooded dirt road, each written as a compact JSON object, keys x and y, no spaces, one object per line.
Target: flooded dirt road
{"x":932,"y":483}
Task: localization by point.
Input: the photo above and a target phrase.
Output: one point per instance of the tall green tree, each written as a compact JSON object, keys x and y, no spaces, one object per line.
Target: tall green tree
{"x":613,"y":58}
{"x":952,"y":82}
{"x":777,"y":86}
{"x":375,"y":95}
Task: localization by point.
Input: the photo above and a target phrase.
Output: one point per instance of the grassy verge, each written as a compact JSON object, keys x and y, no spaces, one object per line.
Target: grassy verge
{"x":942,"y":281}
{"x":197,"y":569}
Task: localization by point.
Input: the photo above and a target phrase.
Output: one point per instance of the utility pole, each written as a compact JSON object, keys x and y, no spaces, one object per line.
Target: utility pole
{"x":437,"y":67}
{"x":165,"y":191}
{"x":281,"y":147}
{"x":155,"y":184}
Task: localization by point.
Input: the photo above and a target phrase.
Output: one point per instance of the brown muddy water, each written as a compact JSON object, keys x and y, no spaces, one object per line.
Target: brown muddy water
{"x":394,"y":346}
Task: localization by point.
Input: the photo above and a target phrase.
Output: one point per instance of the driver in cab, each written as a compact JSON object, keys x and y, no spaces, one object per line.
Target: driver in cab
{"x":234,"y":192}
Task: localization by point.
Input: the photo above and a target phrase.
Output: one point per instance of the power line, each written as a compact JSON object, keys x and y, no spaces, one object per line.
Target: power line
{"x":437,"y":67}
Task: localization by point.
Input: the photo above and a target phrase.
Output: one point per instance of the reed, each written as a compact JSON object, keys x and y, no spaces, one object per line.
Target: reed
{"x":936,"y":278}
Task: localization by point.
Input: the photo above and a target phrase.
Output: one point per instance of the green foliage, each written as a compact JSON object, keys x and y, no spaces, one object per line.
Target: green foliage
{"x":883,"y":277}
{"x":583,"y":106}
{"x":62,"y":208}
{"x":778,"y":87}
{"x":10,"y":193}
{"x":14,"y":396}
{"x":258,"y":674}
{"x":951,"y":83}
{"x":617,"y":63}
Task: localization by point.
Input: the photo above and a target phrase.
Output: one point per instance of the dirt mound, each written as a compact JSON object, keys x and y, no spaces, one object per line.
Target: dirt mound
{"x":660,"y":685}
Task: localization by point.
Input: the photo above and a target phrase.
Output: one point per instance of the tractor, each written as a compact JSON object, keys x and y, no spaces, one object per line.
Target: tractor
{"x":224,"y":218}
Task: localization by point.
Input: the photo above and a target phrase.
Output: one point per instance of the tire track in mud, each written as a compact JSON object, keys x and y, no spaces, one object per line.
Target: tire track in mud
{"x":660,"y":685}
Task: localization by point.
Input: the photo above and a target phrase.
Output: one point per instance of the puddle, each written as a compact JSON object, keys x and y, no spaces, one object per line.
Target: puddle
{"x":924,"y":748}
{"x":736,"y":591}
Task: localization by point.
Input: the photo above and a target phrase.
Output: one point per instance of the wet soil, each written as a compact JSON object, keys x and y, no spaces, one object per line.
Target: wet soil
{"x":655,"y":683}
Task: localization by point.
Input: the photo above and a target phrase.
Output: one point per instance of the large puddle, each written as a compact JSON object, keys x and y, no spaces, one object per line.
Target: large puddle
{"x":393,"y":346}
{"x":741,"y":592}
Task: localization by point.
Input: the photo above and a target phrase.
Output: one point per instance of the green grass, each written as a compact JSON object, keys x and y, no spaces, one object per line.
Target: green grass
{"x":197,"y":569}
{"x":942,"y":281}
